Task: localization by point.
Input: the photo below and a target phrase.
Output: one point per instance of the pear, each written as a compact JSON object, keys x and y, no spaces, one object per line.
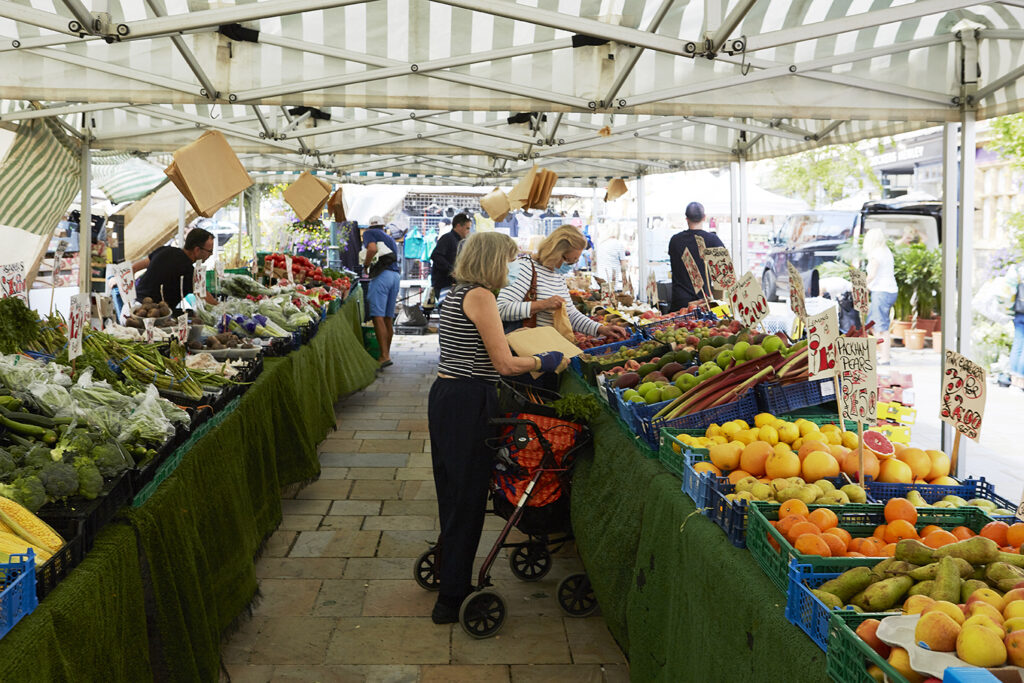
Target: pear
{"x":779,"y":484}
{"x":761,"y":491}
{"x":745,"y":495}
{"x":808,"y":493}
{"x":855,"y":493}
{"x":957,"y":501}
{"x":787,"y":494}
{"x":796,"y":481}
{"x":746,"y":484}
{"x":986,"y":505}
{"x":944,"y":504}
{"x":915,"y":497}
{"x":825,"y":485}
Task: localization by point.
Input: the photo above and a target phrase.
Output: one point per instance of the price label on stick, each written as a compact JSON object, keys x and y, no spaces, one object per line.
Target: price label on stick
{"x":861,"y":298}
{"x":963,"y":394}
{"x":796,"y":292}
{"x":125,"y":283}
{"x":822,"y":332}
{"x":858,"y":379}
{"x":219,"y":270}
{"x":720,"y":269}
{"x":693,"y":271}
{"x":148,"y":325}
{"x":12,"y":280}
{"x":199,"y":280}
{"x":58,"y":259}
{"x":288,"y":268}
{"x":268,"y":266}
{"x":1020,"y":508}
{"x":182,"y":330}
{"x":702,"y":248}
{"x":747,"y":301}
{"x":78,"y":318}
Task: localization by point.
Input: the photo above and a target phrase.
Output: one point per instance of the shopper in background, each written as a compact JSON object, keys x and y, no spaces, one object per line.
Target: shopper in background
{"x":1015,"y":279}
{"x":168,"y":270}
{"x":462,"y":400}
{"x":539,"y":288}
{"x":611,"y":259}
{"x":384,"y":285}
{"x":443,"y":256}
{"x":682,"y":289}
{"x":881,"y":281}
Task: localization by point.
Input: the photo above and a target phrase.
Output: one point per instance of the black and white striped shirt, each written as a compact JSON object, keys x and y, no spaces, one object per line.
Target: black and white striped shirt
{"x":462,"y":349}
{"x":549,"y":283}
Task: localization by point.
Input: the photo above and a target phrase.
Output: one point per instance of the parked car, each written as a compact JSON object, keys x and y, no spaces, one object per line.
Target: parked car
{"x":810,"y":238}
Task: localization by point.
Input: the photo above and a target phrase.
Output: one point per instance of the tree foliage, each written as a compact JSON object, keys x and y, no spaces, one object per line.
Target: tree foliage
{"x":1008,"y":138}
{"x":823,"y":175}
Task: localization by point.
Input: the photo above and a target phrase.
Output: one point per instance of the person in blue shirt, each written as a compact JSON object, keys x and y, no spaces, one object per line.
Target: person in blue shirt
{"x":383,"y":291}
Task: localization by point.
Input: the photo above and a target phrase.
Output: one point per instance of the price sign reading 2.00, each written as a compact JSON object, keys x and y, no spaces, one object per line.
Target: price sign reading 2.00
{"x":963,"y":394}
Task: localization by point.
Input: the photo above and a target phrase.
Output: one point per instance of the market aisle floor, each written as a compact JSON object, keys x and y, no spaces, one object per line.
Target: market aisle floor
{"x":338,"y":599}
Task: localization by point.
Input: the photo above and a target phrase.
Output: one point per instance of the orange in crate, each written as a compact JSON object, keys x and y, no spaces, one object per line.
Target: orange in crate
{"x":997,"y":531}
{"x":900,"y":508}
{"x":812,"y":544}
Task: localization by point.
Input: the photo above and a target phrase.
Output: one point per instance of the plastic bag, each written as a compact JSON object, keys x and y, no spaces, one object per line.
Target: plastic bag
{"x":995,"y":299}
{"x":147,"y":422}
{"x":55,"y":397}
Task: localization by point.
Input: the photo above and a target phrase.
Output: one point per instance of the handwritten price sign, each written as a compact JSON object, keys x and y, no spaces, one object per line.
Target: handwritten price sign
{"x":78,"y":318}
{"x":861,"y":298}
{"x":747,"y":301}
{"x":693,"y":271}
{"x":858,"y":378}
{"x":12,"y":280}
{"x":720,"y":268}
{"x":199,"y":280}
{"x":963,"y":394}
{"x":182,"y":329}
{"x":822,"y":332}
{"x":125,"y":282}
{"x":702,"y":248}
{"x":796,"y":292}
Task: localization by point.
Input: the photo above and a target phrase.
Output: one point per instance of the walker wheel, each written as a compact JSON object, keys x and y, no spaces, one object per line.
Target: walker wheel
{"x":482,"y":614}
{"x":425,"y":571}
{"x":576,"y":595}
{"x":531,"y":562}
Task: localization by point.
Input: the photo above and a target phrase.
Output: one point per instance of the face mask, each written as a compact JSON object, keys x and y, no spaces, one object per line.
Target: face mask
{"x":564,"y":269}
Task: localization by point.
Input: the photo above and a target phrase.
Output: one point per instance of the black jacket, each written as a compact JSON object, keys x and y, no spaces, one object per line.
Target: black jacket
{"x":443,"y":260}
{"x":682,"y":289}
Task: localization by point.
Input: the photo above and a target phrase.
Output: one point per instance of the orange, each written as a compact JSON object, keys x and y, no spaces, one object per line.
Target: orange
{"x":820,"y":465}
{"x":939,"y":538}
{"x":850,"y":464}
{"x":963,"y":533}
{"x":835,"y":544}
{"x":812,"y":544}
{"x":808,"y":447}
{"x":940,"y":465}
{"x":725,"y":456}
{"x":900,"y":508}
{"x":737,"y":475}
{"x":944,"y":481}
{"x":841,"y":533}
{"x":895,"y":471}
{"x":1015,"y":534}
{"x":782,"y":464}
{"x":793,"y":507}
{"x":823,"y":518}
{"x":853,"y":553}
{"x":838,"y":452}
{"x":754,"y":456}
{"x":996,"y":531}
{"x":889,"y":550}
{"x":799,"y":529}
{"x":707,"y":467}
{"x":899,"y":529}
{"x":788,"y":521}
{"x":872,"y":547}
{"x":919,"y":462}
{"x":929,"y":529}
{"x":879,"y":531}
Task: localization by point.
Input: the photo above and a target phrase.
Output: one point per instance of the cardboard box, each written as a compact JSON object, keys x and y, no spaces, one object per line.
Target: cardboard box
{"x":307,"y":196}
{"x":616,"y":188}
{"x":208,"y":173}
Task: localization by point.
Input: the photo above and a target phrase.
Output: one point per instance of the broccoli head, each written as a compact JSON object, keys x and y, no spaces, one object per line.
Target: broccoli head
{"x":59,"y":479}
{"x":90,"y":481}
{"x":27,"y":490}
{"x":38,"y":457}
{"x":7,"y":463}
{"x":110,"y":459}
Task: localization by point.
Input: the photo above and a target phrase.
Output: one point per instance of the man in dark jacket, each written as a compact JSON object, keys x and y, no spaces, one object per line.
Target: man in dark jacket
{"x":443,"y":256}
{"x":682,"y":289}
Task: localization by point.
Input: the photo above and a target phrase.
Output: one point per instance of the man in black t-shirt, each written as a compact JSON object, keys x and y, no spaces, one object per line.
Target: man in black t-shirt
{"x":682,"y":289}
{"x":443,"y":256}
{"x":172,"y":267}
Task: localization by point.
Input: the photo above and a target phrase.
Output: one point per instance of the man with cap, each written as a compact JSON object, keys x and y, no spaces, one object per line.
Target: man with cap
{"x":383,"y":291}
{"x":682,"y":289}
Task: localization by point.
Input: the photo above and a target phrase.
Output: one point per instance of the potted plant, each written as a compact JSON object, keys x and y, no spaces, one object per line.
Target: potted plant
{"x":919,"y":281}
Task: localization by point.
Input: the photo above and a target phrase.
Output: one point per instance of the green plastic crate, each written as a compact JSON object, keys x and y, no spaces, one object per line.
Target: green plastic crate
{"x":859,"y":519}
{"x":848,"y":657}
{"x":819,"y":416}
{"x":673,"y":460}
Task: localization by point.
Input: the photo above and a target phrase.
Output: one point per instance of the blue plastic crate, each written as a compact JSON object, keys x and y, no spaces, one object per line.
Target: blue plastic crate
{"x":679,"y":459}
{"x":804,"y":609}
{"x":743,"y":409}
{"x":778,"y":399}
{"x":968,"y":489}
{"x":967,"y":674}
{"x":18,"y":594}
{"x":577,"y":365}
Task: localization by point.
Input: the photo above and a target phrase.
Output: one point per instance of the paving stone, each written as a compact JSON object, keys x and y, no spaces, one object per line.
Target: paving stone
{"x":393,"y":640}
{"x":380,"y":567}
{"x":409,"y":544}
{"x":420,"y":435}
{"x":286,"y":597}
{"x":339,"y":459}
{"x":391,"y":446}
{"x":397,"y":598}
{"x":247,"y":673}
{"x":279,"y":543}
{"x":372,"y":472}
{"x":293,"y":640}
{"x":340,"y":522}
{"x":339,"y":446}
{"x":300,"y":568}
{"x":300,"y":522}
{"x":385,"y":434}
{"x":304,"y":507}
{"x":340,"y":598}
{"x":355,"y":507}
{"x":344,"y":543}
{"x":409,"y":507}
{"x":564,"y":673}
{"x":239,"y":647}
{"x":334,"y":472}
{"x":419,"y":490}
{"x":394,"y":673}
{"x":456,"y":673}
{"x":591,"y":643}
{"x":419,"y":460}
{"x":339,"y":433}
{"x":523,"y":640}
{"x":347,"y":422}
{"x":326,"y":489}
{"x":375,"y":489}
{"x":414,"y":425}
{"x":402,"y":523}
{"x":415,"y":474}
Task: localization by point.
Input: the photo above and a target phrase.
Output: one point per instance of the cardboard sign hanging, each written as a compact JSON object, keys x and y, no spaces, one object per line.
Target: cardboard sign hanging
{"x":963,"y":394}
{"x":12,"y":280}
{"x":208,"y":173}
{"x":615,"y":189}
{"x":822,"y":332}
{"x":125,"y":282}
{"x":693,"y":271}
{"x":861,"y":298}
{"x":496,"y":204}
{"x":747,"y":301}
{"x":78,"y":318}
{"x":652,"y":289}
{"x":58,"y":259}
{"x":307,"y":196}
{"x":720,"y":268}
{"x":856,"y":368}
{"x":540,"y":193}
{"x":796,"y":292}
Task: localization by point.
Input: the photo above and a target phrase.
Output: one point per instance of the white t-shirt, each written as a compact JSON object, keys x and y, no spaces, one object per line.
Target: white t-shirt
{"x":885,"y":271}
{"x":609,"y":254}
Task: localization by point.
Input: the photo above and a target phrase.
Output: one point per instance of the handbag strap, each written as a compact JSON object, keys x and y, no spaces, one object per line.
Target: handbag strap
{"x":531,"y":295}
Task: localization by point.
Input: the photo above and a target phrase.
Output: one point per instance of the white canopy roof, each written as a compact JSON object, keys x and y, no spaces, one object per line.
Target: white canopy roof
{"x":422,"y":90}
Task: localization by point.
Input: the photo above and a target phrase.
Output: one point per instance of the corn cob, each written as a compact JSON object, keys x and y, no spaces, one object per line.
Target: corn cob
{"x":28,"y":527}
{"x":12,"y":545}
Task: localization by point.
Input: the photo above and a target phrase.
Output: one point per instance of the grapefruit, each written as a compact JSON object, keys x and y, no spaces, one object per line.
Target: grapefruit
{"x":919,"y":462}
{"x":811,"y":445}
{"x":893,"y":471}
{"x":725,"y":456}
{"x":940,"y":465}
{"x":820,"y":465}
{"x":945,"y":481}
{"x":878,"y":444}
{"x":754,"y":457}
{"x":782,"y":464}
{"x":851,"y":462}
{"x":707,"y":467}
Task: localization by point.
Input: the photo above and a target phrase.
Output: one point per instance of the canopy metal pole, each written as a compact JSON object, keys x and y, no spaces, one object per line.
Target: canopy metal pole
{"x":741,"y":250}
{"x":965,"y":229}
{"x":181,"y":221}
{"x":950,"y":298}
{"x":734,"y":216}
{"x":85,"y":219}
{"x":641,"y":235}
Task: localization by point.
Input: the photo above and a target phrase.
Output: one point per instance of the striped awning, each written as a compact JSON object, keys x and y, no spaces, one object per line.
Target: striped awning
{"x":478,"y":90}
{"x":39,"y":177}
{"x":128,"y":180}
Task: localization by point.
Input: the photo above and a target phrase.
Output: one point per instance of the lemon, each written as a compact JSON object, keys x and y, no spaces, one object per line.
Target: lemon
{"x":677,"y":447}
{"x":782,"y":448}
{"x":762,"y":419}
{"x":789,"y":432}
{"x":828,"y":428}
{"x":718,"y":438}
{"x":806,"y":427}
{"x":779,"y":424}
{"x":714,"y":429}
{"x":741,"y":423}
{"x":797,"y":443}
{"x":731,"y":429}
{"x":746,"y":436}
{"x":834,"y":437}
{"x":850,"y":440}
{"x":815,"y":436}
{"x":768,"y":434}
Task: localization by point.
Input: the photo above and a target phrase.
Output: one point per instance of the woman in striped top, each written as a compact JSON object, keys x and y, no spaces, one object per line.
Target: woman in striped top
{"x":552,"y":262}
{"x":462,"y":400}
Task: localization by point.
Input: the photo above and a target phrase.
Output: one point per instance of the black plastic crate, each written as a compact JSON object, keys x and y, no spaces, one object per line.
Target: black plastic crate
{"x":142,"y":475}
{"x":56,"y":569}
{"x":89,"y":516}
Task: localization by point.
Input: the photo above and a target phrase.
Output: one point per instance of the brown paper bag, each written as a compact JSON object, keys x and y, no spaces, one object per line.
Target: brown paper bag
{"x":562,"y":324}
{"x":544,"y":183}
{"x":307,"y":196}
{"x":496,"y":204}
{"x":519,"y":196}
{"x":616,"y":188}
{"x":337,"y":207}
{"x":527,"y":341}
{"x":208,"y":173}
